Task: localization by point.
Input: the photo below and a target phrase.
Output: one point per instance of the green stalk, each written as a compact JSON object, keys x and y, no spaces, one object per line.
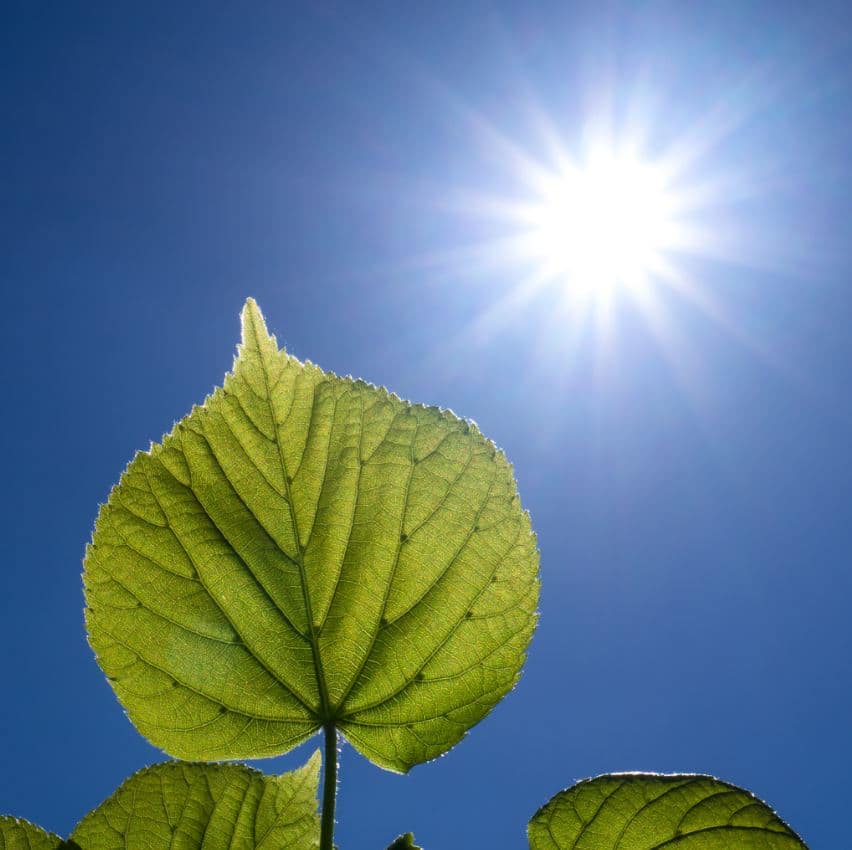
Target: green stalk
{"x":329,"y":788}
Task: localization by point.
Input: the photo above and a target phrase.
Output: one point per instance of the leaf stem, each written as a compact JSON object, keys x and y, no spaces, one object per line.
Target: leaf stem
{"x":329,"y":788}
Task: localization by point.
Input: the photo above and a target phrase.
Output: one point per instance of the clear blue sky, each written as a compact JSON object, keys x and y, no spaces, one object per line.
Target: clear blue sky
{"x":688,"y":472}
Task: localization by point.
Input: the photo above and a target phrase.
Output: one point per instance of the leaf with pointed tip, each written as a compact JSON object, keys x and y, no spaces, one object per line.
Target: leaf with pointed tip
{"x":217,"y":807}
{"x":181,"y":806}
{"x":16,"y":834}
{"x":649,"y":811}
{"x":303,"y":550}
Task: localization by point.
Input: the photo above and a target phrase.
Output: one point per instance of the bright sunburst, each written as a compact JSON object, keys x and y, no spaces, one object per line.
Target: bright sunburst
{"x":612,"y":222}
{"x":604,"y":224}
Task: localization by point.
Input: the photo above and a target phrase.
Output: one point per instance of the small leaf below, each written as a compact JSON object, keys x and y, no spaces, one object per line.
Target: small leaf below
{"x":189,"y":806}
{"x":405,"y":842}
{"x":648,"y":811}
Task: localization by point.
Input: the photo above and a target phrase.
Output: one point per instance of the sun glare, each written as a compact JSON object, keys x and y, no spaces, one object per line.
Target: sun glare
{"x":601,"y":226}
{"x":585,"y":230}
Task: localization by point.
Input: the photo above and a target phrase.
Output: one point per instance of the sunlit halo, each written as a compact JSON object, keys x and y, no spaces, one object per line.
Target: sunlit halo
{"x":600,"y":226}
{"x":579,"y":233}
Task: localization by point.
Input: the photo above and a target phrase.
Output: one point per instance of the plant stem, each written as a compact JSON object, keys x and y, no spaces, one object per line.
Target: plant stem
{"x":329,"y":788}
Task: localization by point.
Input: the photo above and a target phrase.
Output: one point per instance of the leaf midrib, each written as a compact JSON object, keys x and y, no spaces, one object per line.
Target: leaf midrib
{"x":324,"y":715}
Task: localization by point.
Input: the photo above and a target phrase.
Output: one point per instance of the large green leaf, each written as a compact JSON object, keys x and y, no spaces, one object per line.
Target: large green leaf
{"x":18,"y":834}
{"x":179,"y":806}
{"x":648,"y":811}
{"x":306,"y":550}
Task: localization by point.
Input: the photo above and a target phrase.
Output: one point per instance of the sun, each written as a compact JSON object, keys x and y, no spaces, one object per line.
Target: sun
{"x":601,"y":225}
{"x":585,"y":232}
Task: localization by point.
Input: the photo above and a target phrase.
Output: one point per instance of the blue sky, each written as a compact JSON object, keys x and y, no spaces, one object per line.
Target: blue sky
{"x":684,"y":455}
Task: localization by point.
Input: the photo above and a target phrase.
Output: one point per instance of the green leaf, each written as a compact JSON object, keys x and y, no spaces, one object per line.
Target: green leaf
{"x":18,"y":834}
{"x":405,"y":842}
{"x":304,"y":550}
{"x":648,"y":811}
{"x":179,"y":806}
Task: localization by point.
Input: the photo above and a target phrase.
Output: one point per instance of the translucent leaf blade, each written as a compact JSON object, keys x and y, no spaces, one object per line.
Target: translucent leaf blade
{"x":179,"y":806}
{"x":636,"y":811}
{"x":304,"y":549}
{"x":16,"y":834}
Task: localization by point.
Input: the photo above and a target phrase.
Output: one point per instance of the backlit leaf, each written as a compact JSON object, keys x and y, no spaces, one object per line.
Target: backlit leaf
{"x":18,"y":834}
{"x":302,"y":550}
{"x":646,"y":811}
{"x":180,"y":806}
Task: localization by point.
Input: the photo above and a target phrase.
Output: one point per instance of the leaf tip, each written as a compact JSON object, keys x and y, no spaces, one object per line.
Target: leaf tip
{"x":313,"y":764}
{"x":251,"y":308}
{"x":252,"y":321}
{"x":309,"y":772}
